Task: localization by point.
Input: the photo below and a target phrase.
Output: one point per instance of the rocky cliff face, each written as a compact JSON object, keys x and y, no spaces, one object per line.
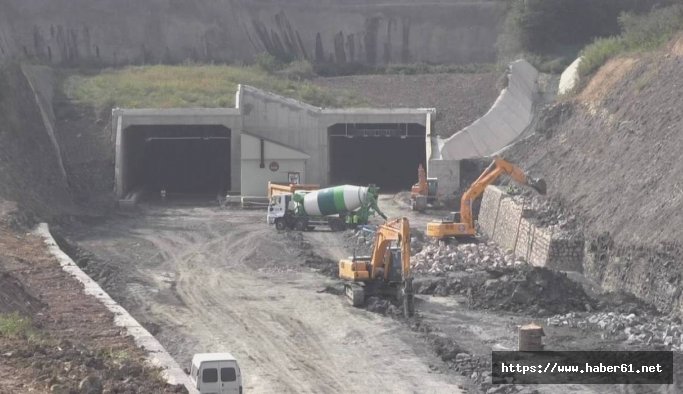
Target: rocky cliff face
{"x":117,"y":32}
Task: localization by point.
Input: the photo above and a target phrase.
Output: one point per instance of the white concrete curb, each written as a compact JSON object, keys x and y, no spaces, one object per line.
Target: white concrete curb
{"x":156,"y":353}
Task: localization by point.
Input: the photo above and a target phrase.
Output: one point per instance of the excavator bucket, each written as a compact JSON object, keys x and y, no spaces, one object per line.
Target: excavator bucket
{"x":538,"y":184}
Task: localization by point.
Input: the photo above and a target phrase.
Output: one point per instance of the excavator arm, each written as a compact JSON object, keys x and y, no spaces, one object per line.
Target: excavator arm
{"x":398,"y":231}
{"x":465,"y":226}
{"x":498,"y":167}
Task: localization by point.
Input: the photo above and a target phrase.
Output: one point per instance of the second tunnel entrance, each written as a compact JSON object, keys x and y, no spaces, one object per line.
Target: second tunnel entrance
{"x":386,"y":155}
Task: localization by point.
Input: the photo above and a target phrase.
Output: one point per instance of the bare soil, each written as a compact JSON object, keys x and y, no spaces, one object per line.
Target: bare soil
{"x":29,"y":166}
{"x":71,"y":336}
{"x":202,"y":278}
{"x":459,"y":99}
{"x":209,"y":279}
{"x":611,"y":155}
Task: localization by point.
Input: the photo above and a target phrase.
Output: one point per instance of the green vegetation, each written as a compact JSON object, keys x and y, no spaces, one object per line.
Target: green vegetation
{"x":551,"y":32}
{"x":193,"y":86}
{"x":115,"y":355}
{"x":14,"y":325}
{"x":639,"y":33}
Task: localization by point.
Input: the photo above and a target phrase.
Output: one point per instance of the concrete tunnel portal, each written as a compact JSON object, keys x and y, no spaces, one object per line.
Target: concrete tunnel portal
{"x":384,"y":154}
{"x":188,"y":159}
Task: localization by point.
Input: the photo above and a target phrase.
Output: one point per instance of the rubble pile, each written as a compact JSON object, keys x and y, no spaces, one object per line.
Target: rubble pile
{"x":440,"y":258}
{"x":640,"y":330}
{"x":548,"y":213}
{"x":524,"y":289}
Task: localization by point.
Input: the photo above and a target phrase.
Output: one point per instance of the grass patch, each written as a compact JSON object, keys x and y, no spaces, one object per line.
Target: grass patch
{"x":115,"y":355}
{"x":192,"y":86}
{"x":13,"y":325}
{"x":639,"y":33}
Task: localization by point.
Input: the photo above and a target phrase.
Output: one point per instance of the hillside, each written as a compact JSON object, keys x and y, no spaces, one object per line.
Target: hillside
{"x":613,"y":152}
{"x":30,"y":170}
{"x":459,"y":99}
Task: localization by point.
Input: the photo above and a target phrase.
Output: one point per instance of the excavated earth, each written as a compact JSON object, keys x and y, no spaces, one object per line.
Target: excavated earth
{"x":459,"y":99}
{"x":68,"y":341}
{"x":611,"y":154}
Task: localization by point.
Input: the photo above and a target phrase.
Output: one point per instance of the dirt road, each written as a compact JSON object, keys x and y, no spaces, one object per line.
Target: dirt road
{"x":205,"y":279}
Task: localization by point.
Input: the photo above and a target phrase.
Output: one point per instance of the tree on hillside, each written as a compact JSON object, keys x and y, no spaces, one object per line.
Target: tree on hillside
{"x":558,"y":27}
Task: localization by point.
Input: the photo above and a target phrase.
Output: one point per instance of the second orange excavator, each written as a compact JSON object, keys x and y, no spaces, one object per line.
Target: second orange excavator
{"x":461,"y":224}
{"x":423,"y":192}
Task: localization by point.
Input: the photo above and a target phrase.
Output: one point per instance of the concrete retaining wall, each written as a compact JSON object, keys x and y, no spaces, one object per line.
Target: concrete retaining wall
{"x":157,"y":354}
{"x":503,"y":220}
{"x":570,"y":77}
{"x":507,"y":119}
{"x":118,"y":32}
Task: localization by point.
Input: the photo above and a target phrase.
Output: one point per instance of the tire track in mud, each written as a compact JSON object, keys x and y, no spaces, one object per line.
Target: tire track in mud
{"x":240,"y":286}
{"x":266,"y":338}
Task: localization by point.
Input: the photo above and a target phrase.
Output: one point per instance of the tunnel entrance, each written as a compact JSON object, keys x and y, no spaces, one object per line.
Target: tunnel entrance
{"x":386,"y":155}
{"x":188,"y":159}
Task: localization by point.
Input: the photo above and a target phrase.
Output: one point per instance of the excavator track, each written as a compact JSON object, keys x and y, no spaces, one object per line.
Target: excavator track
{"x":355,"y":294}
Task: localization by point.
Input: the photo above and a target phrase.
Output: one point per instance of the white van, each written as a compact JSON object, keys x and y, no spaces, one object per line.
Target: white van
{"x":216,"y":373}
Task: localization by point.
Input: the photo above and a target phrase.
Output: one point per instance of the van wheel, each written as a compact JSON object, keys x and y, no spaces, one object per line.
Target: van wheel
{"x":280,"y":224}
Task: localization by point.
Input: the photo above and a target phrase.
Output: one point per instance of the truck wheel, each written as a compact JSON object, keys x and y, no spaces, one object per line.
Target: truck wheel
{"x":280,"y":224}
{"x":300,"y":225}
{"x":336,"y":225}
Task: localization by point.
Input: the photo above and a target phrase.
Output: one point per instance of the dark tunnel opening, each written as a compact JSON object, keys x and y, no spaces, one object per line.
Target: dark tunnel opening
{"x":386,"y":155}
{"x":188,"y":159}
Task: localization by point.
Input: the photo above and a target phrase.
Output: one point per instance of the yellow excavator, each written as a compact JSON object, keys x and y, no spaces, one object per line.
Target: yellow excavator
{"x":386,"y":272}
{"x":461,"y":224}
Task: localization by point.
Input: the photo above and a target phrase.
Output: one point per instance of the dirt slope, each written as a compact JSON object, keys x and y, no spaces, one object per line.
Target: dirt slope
{"x":612,"y":155}
{"x":70,"y":335}
{"x":459,"y":99}
{"x":614,"y":151}
{"x":29,"y":169}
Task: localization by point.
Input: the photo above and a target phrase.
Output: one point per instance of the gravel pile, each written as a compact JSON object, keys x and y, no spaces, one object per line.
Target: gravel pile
{"x":440,"y":258}
{"x":546,"y":212}
{"x":648,"y":331}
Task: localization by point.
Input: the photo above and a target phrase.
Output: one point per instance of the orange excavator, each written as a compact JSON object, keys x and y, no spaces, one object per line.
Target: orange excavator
{"x":386,"y":272}
{"x":423,"y":192}
{"x":461,"y":224}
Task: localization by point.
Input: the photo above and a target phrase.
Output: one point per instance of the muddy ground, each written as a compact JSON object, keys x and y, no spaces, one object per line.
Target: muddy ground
{"x":203,"y":278}
{"x":206,"y":279}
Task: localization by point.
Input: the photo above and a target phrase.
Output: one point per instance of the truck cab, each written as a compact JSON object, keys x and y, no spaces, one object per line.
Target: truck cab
{"x":216,"y":373}
{"x":278,"y":206}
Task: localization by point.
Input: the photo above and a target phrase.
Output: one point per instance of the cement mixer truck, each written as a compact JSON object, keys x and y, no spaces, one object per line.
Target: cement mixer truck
{"x":337,"y":207}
